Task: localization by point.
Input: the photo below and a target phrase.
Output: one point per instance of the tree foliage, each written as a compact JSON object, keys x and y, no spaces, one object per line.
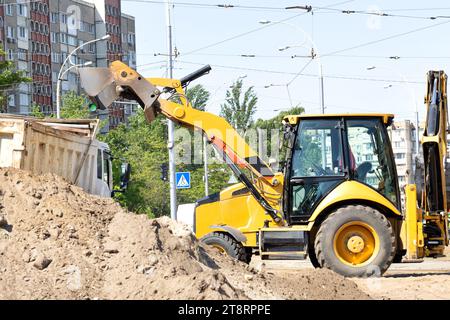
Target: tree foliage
{"x":36,"y":111}
{"x":275,"y":123}
{"x":198,"y":96}
{"x":238,"y":110}
{"x":144,"y":146}
{"x":74,"y":106}
{"x":10,"y":78}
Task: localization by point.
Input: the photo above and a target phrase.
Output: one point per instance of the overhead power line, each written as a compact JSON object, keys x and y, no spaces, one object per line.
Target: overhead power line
{"x":345,"y":77}
{"x":382,"y":13}
{"x":307,"y":8}
{"x":397,"y":35}
{"x":247,"y":32}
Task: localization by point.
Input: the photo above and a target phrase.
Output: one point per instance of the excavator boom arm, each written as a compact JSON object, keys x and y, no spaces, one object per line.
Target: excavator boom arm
{"x":105,"y":85}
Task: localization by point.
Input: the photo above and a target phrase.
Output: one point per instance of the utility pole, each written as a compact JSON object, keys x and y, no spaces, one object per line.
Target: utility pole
{"x":322,"y":96}
{"x":170,"y":124}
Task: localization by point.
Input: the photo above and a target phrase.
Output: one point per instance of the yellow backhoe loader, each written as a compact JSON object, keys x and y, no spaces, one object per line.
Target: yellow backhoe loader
{"x":338,"y":198}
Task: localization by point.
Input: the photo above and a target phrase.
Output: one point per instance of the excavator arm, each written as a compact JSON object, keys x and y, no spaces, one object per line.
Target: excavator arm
{"x":105,"y":85}
{"x":426,"y":226}
{"x":434,"y":145}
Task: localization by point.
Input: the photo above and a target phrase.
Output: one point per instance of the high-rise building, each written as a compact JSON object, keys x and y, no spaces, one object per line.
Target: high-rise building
{"x":39,"y":35}
{"x":402,"y":135}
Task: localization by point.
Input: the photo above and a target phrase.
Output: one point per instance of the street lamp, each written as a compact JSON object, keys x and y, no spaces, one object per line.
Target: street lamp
{"x":314,"y":55}
{"x":61,"y":72}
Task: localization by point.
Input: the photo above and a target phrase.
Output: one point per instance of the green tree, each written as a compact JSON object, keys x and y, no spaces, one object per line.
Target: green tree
{"x":144,"y":146}
{"x":238,"y":110}
{"x":198,"y":96}
{"x":74,"y":106}
{"x":36,"y":111}
{"x":276,"y":123}
{"x":10,"y":78}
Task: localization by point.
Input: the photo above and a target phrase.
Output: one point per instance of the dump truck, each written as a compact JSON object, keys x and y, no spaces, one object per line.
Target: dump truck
{"x":331,"y":204}
{"x":67,"y":148}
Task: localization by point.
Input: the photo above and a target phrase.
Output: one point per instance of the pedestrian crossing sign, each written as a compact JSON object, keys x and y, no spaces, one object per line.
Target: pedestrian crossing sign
{"x":183,"y":180}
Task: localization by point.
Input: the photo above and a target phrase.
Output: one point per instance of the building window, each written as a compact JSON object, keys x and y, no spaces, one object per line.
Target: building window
{"x":63,"y":38}
{"x":72,"y":41}
{"x":54,"y":37}
{"x":22,"y":32}
{"x":10,"y":54}
{"x":55,"y":57}
{"x":64,"y":18}
{"x":54,"y":17}
{"x":22,"y":10}
{"x":24,"y":100}
{"x":131,"y":38}
{"x":11,"y":100}
{"x":22,"y":54}
{"x":10,"y":32}
{"x":9,"y":9}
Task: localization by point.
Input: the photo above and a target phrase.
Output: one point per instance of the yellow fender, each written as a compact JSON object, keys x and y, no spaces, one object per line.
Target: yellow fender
{"x":352,"y":191}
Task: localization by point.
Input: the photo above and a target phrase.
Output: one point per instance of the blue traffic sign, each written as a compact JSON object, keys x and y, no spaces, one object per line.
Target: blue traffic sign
{"x":183,"y":180}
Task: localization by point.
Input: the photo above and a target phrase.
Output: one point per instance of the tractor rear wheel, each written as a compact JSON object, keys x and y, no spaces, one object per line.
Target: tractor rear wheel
{"x":355,"y":241}
{"x":227,"y":245}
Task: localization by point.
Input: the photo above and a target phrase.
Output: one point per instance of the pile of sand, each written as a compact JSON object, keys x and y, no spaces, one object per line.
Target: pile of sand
{"x":57,"y":242}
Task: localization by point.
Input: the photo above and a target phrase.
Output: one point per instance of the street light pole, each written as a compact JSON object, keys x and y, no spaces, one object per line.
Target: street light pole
{"x":62,"y":72}
{"x":322,"y":98}
{"x":314,"y":55}
{"x":170,"y":124}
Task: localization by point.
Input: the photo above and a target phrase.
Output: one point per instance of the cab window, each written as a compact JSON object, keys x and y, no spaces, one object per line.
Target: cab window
{"x":318,"y":150}
{"x":371,"y":161}
{"x":317,"y":165}
{"x":99,"y":164}
{"x":106,"y":167}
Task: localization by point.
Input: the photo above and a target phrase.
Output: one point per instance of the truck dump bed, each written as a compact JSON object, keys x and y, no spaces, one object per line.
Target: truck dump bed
{"x":64,"y":147}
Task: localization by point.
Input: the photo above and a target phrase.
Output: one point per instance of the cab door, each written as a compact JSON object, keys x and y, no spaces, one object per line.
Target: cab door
{"x":317,"y":166}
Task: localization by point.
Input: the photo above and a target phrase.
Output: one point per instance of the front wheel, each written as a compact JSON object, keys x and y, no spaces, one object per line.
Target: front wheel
{"x":227,"y":244}
{"x":355,"y":241}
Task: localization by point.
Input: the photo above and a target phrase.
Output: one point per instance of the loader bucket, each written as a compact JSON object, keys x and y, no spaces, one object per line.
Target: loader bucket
{"x":98,"y":83}
{"x":106,"y":85}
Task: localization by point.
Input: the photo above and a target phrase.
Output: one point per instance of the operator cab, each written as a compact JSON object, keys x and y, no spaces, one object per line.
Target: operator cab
{"x":326,"y":150}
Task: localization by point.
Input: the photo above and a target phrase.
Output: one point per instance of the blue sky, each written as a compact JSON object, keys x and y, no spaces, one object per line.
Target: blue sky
{"x":393,"y":86}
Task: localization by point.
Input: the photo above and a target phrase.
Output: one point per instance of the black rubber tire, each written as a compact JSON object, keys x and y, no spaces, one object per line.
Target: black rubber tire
{"x":229,"y":244}
{"x":325,"y":237}
{"x":311,"y":251}
{"x":312,"y":256}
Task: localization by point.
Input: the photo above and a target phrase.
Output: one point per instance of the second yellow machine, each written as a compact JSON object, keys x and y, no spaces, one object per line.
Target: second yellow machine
{"x":338,"y":197}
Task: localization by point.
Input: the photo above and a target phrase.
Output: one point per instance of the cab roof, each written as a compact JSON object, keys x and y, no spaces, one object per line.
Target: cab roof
{"x":294,"y":119}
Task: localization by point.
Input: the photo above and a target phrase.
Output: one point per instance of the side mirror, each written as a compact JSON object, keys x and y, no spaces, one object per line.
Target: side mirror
{"x":125,"y":172}
{"x":125,"y":175}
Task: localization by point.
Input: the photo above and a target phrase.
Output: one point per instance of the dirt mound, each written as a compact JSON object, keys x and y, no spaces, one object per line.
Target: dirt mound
{"x":57,"y":242}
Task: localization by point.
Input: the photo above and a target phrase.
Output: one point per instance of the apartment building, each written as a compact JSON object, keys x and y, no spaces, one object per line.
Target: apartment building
{"x":38,"y":36}
{"x":403,"y":137}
